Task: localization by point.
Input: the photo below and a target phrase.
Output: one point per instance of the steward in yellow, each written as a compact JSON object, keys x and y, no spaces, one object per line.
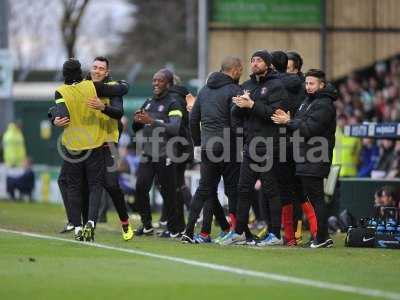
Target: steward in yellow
{"x":14,"y":146}
{"x":346,"y":153}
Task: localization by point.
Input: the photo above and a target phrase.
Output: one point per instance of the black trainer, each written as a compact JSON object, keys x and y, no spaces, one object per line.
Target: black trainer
{"x":144,"y":231}
{"x":165,"y":234}
{"x":187,"y":239}
{"x":326,"y":244}
{"x":168,"y":234}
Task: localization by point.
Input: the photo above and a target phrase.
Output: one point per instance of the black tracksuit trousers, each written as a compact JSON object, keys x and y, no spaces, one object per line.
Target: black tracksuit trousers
{"x":166,"y":174}
{"x":314,"y":191}
{"x":210,"y":176}
{"x":110,"y":184}
{"x":250,"y":171}
{"x":87,"y":168}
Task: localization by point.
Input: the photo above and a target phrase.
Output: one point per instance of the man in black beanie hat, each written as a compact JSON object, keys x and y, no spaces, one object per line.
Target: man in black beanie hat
{"x":82,"y":141}
{"x":264,"y":94}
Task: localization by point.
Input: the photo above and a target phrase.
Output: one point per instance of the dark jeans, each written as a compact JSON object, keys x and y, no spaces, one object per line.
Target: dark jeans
{"x":314,"y":190}
{"x":210,"y":176}
{"x":166,"y":174}
{"x":248,"y":177}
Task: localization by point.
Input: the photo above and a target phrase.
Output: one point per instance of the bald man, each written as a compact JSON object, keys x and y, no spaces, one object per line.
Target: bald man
{"x":212,"y":110}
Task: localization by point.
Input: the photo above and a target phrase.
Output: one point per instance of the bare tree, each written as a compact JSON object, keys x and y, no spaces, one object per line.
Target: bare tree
{"x":70,"y":21}
{"x":162,"y":31}
{"x":28,"y":22}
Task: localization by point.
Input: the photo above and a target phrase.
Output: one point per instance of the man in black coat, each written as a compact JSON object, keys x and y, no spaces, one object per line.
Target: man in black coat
{"x":212,"y":110}
{"x":292,"y":197}
{"x":264,"y":94}
{"x":315,"y":125}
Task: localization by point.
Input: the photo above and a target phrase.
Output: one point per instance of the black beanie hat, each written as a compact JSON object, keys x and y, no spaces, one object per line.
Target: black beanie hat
{"x":72,"y":69}
{"x":168,"y":75}
{"x":264,"y":55}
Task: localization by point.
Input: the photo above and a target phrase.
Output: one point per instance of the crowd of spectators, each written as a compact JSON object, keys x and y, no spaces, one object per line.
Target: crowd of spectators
{"x":372,"y":96}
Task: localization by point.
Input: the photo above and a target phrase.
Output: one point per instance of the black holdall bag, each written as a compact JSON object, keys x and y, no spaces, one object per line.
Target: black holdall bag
{"x":383,"y":231}
{"x":360,"y":237}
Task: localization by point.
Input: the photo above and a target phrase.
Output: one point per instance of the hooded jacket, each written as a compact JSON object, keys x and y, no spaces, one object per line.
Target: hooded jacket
{"x":294,"y":86}
{"x":315,"y":120}
{"x":213,"y":110}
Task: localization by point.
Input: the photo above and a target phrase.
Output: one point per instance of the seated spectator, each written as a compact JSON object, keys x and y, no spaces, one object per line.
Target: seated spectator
{"x":347,"y":149}
{"x":23,"y":183}
{"x":387,"y":156}
{"x":394,"y":168}
{"x":369,"y":157}
{"x":384,"y":197}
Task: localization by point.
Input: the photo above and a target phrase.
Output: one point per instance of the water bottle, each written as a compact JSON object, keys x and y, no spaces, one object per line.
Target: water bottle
{"x":381,"y":227}
{"x":391,"y":226}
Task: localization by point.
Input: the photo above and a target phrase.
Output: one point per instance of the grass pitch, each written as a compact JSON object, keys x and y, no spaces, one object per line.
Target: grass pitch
{"x":33,"y":268}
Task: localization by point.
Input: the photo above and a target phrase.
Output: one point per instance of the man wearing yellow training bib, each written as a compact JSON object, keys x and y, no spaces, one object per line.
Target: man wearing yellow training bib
{"x":86,"y":130}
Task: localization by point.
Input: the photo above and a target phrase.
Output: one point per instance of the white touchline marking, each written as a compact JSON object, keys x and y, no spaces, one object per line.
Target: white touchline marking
{"x":227,"y":269}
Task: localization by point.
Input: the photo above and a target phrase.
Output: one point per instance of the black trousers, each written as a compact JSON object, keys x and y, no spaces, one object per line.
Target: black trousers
{"x":249,"y":173}
{"x":183,"y":196}
{"x":290,"y":187}
{"x":110,"y":184}
{"x":166,"y":173}
{"x":314,"y":191}
{"x":87,"y":168}
{"x":183,"y":190}
{"x":210,"y":176}
{"x":212,"y":207}
{"x":63,"y":186}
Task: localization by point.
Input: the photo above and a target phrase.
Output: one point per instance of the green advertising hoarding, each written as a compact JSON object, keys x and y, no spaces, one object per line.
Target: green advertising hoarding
{"x":266,"y":12}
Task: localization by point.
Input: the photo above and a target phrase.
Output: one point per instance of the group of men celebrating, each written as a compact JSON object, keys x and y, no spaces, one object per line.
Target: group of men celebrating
{"x":278,"y":127}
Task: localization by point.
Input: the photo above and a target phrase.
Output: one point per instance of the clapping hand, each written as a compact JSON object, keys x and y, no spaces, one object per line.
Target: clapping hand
{"x":243,"y":101}
{"x":281,"y":117}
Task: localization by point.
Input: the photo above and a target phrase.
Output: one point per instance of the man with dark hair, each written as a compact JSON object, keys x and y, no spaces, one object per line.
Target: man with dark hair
{"x":315,"y":123}
{"x":295,"y":63}
{"x":84,"y":136}
{"x":264,"y":94}
{"x":279,"y":61}
{"x":159,"y":119}
{"x":112,"y":108}
{"x":104,"y":60}
{"x":212,"y":110}
{"x":290,"y":185}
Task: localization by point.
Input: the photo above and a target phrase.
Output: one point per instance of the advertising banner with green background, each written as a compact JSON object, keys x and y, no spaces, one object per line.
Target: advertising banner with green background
{"x":266,"y":12}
